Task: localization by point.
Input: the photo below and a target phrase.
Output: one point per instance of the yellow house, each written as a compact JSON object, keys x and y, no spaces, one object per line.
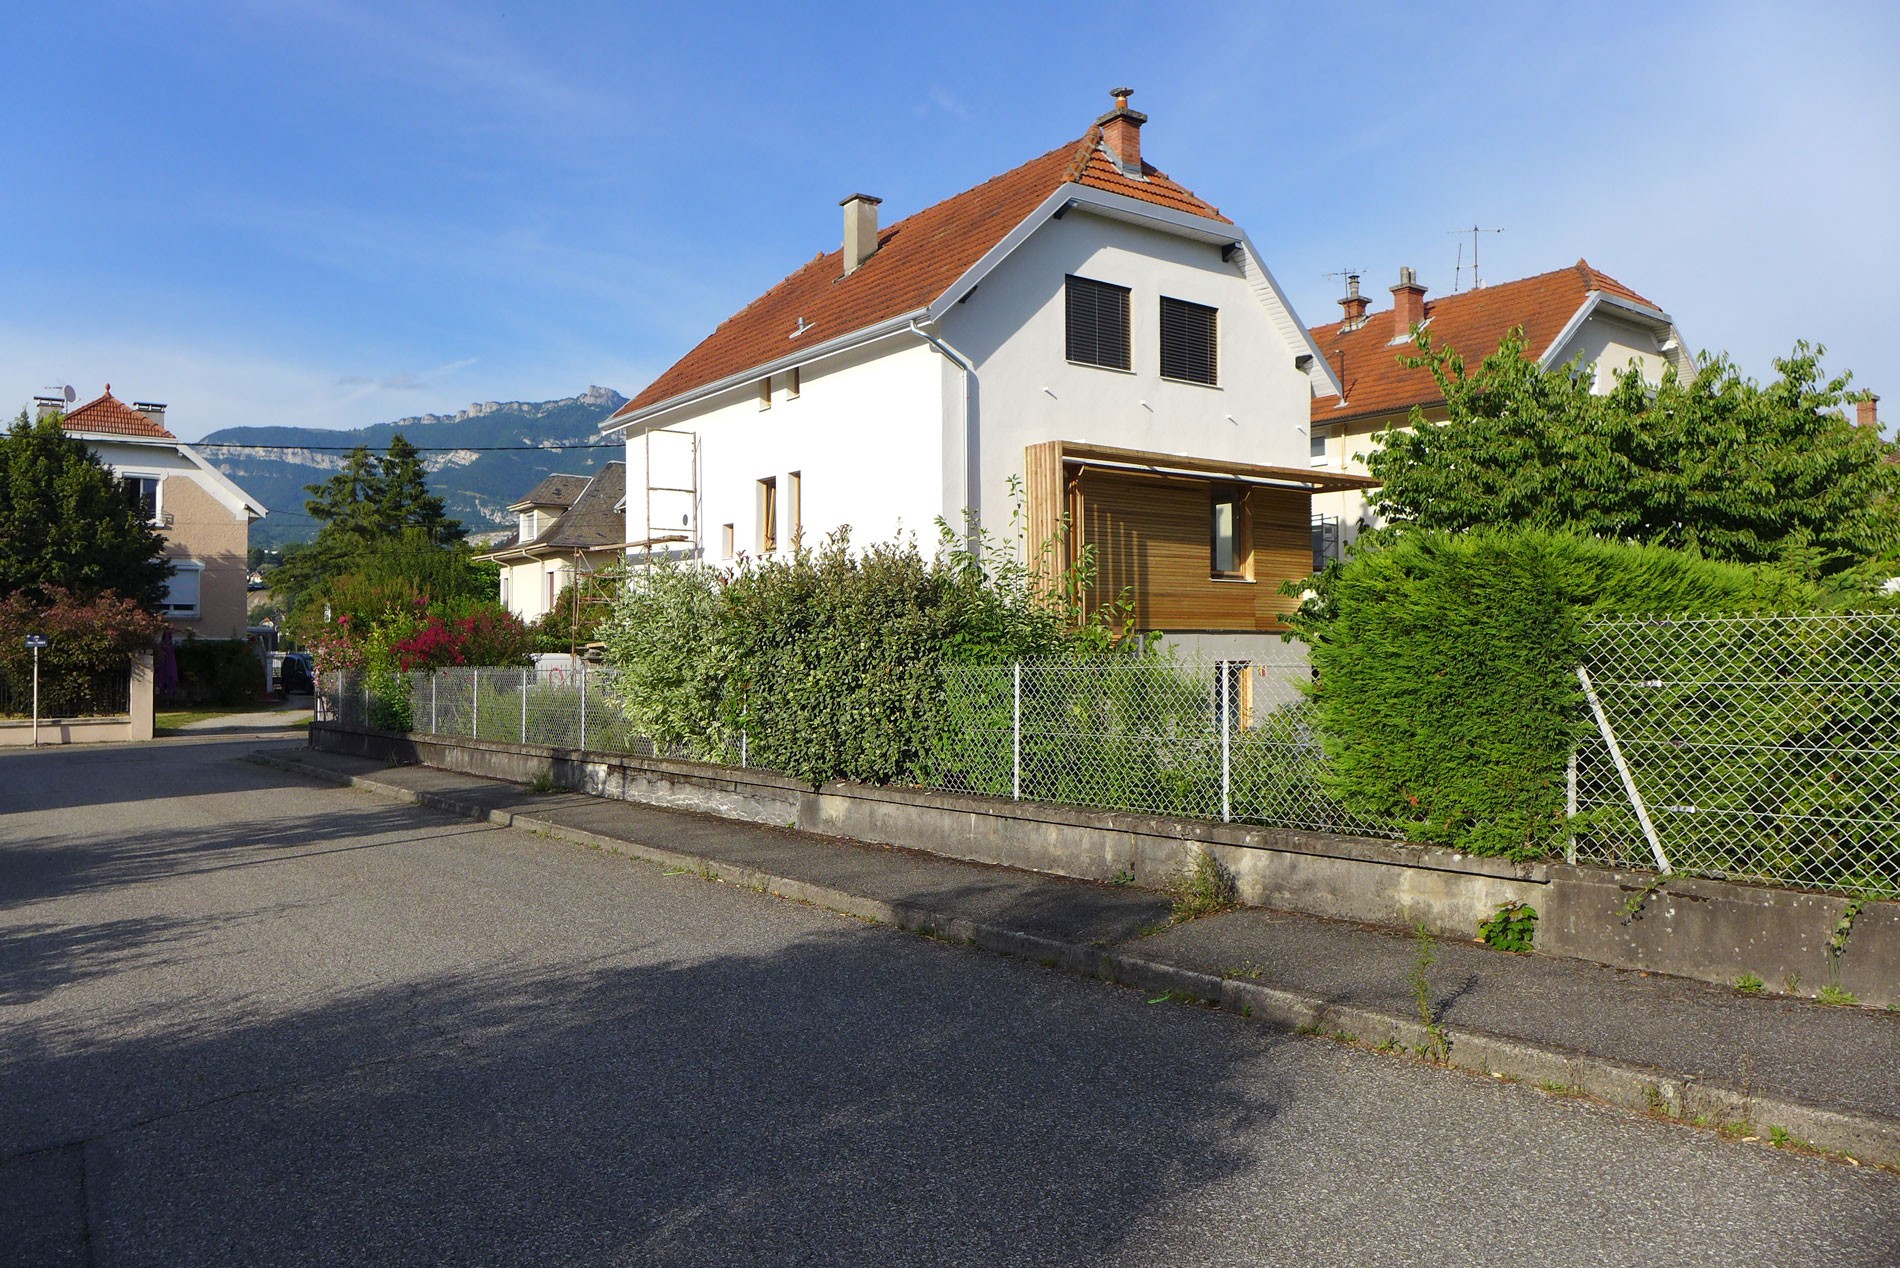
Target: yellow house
{"x":567,"y":525}
{"x":205,"y":518}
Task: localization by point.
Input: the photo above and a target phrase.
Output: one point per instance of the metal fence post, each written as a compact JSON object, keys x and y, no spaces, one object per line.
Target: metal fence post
{"x":1222,"y":670}
{"x":1570,"y":806}
{"x":1016,"y":738}
{"x":475,"y":705}
{"x":524,"y":706}
{"x":583,"y":678}
{"x":742,"y":752}
{"x":433,"y":728}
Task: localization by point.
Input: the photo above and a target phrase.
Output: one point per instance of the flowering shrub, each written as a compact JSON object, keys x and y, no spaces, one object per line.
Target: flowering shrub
{"x":485,"y":634}
{"x":84,"y":636}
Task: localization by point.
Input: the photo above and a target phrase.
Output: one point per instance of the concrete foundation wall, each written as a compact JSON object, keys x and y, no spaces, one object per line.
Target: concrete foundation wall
{"x":1693,"y":928}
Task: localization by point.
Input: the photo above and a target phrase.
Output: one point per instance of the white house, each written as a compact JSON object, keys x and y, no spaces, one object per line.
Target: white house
{"x":1571,"y":314}
{"x":1081,"y":324}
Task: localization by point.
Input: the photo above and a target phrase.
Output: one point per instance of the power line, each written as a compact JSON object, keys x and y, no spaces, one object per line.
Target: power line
{"x":221,"y":444}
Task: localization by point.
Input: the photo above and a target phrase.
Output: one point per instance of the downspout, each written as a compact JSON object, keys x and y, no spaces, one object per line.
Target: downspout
{"x":968,"y":368}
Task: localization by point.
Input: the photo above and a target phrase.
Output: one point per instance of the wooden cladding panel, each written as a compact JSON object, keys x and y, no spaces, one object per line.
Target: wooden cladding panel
{"x":1044,"y":500}
{"x":1152,"y":535}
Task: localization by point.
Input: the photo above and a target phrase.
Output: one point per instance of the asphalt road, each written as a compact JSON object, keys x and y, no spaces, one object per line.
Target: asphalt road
{"x":249,"y":1020}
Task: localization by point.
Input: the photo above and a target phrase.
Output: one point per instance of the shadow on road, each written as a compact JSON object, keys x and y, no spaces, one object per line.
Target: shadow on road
{"x":854,"y":1096}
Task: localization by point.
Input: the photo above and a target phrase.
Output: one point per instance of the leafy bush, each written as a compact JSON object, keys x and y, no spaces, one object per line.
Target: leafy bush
{"x":1512,"y":927}
{"x":85,"y":636}
{"x":1445,"y":665}
{"x":828,"y":660}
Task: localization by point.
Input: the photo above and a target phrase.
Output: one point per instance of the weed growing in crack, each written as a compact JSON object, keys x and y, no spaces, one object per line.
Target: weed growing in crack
{"x":1512,"y":927}
{"x":544,"y":782}
{"x":1124,"y":876}
{"x":1832,"y":994}
{"x":1749,"y":984}
{"x":1202,"y":888}
{"x":1437,"y":1047}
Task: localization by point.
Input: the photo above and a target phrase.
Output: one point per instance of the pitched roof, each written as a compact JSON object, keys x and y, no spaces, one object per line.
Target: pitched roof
{"x":108,"y":415}
{"x":916,"y":261}
{"x":554,"y":490}
{"x":593,"y":520}
{"x":1474,"y":323}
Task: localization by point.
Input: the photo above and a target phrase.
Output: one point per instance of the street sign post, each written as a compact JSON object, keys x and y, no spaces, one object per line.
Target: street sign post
{"x":36,"y":641}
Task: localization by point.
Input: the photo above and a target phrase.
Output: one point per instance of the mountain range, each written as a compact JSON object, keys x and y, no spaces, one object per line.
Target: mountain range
{"x":474,"y":477}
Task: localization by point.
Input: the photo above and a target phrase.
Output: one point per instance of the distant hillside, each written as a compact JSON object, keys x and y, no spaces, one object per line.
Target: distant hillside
{"x":476,"y":486}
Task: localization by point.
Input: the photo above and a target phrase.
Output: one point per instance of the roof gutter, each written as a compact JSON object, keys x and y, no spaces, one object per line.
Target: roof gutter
{"x":968,"y":430}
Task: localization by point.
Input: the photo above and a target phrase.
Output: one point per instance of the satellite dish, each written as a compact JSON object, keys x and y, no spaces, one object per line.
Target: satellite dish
{"x":69,"y":394}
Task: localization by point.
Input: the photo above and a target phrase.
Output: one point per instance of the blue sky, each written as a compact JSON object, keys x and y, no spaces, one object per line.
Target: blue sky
{"x":334,"y":213}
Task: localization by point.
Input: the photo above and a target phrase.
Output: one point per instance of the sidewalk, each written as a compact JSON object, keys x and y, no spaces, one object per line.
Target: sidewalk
{"x":1826,"y":1076}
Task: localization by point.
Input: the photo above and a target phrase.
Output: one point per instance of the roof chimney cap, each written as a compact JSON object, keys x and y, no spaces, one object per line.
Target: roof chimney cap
{"x":848,"y":199}
{"x":1121,"y":133}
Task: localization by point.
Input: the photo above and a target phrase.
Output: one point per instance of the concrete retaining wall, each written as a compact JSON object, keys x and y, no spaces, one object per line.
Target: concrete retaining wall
{"x":1694,"y":928}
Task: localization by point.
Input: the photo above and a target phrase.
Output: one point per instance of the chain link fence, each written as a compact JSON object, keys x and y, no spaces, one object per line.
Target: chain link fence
{"x":1226,"y":740}
{"x":1753,"y":748}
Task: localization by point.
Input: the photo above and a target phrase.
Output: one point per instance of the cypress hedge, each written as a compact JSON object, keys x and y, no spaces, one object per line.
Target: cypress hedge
{"x":1445,"y":669}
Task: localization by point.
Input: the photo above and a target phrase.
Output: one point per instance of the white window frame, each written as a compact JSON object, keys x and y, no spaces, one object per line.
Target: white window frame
{"x":158,"y":492}
{"x":176,"y":612}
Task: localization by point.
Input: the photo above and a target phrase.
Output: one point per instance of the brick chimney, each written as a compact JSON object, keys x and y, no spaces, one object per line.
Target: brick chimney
{"x":1408,"y":304}
{"x":1354,"y":303}
{"x":860,"y":230}
{"x":1121,"y":133}
{"x":1867,"y":411}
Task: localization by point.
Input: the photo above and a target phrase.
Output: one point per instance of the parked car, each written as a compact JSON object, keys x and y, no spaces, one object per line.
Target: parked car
{"x":296,"y":674}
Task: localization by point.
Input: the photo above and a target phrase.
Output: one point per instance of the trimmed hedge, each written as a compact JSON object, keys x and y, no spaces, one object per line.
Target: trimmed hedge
{"x":1445,"y":670}
{"x":222,"y":672}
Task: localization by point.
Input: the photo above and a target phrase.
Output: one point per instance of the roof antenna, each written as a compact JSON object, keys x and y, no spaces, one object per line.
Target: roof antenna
{"x":1474,"y":231}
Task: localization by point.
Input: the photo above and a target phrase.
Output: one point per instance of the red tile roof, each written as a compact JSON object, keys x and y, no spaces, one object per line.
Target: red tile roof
{"x":916,"y":261}
{"x":111,"y":416}
{"x":1474,"y":323}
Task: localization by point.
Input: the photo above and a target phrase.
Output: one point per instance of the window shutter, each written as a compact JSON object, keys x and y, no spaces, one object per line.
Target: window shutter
{"x":1097,"y":323}
{"x":1188,"y":341}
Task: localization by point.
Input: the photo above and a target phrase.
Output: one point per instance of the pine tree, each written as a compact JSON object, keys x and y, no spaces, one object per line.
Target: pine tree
{"x":405,"y":500}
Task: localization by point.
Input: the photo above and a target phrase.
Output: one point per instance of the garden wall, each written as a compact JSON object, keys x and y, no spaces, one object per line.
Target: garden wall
{"x":1696,"y":928}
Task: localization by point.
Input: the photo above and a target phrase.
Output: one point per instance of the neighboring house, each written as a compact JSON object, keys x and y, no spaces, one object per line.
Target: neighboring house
{"x":1081,"y":333}
{"x":1573,"y":314}
{"x":566,"y":523}
{"x":205,"y":518}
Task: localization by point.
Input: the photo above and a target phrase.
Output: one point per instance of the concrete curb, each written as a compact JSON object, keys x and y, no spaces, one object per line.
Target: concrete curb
{"x":1649,"y":1090}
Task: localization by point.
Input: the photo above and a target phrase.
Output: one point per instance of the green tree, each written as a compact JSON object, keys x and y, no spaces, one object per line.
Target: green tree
{"x":66,"y":523}
{"x":1713,"y":463}
{"x":368,"y":502}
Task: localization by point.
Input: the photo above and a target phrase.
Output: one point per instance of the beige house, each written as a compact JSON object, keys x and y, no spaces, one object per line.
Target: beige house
{"x":567,"y":525}
{"x":1575,"y":313}
{"x":205,"y":518}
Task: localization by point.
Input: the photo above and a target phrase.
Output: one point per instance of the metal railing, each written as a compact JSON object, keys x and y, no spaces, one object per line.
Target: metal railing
{"x":1752,"y":748}
{"x":101,"y":693}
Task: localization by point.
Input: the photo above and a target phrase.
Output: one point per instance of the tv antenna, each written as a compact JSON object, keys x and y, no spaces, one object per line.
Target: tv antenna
{"x":1343,"y":274}
{"x":1474,"y":231}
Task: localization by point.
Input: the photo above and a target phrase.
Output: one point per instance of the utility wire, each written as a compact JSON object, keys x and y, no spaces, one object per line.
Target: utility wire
{"x":220,"y":444}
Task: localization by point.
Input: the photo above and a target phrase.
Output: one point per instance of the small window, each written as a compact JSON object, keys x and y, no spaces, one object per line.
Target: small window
{"x":1097,"y":323}
{"x":792,"y":385}
{"x":1188,"y":338}
{"x":1316,"y":447}
{"x":765,"y":392}
{"x":1229,"y":555}
{"x":505,"y":578}
{"x":554,"y":587}
{"x":725,"y":541}
{"x":141,"y":492}
{"x":181,"y":591}
{"x":794,"y":509}
{"x":768,"y":515}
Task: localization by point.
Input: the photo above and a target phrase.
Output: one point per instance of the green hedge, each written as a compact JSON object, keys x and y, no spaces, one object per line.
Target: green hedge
{"x":1445,"y":670}
{"x":217,"y":671}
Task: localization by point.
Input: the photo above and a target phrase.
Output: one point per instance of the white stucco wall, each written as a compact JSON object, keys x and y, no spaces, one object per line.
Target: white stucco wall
{"x":1610,"y":345}
{"x":864,"y":435}
{"x":1014,"y":329}
{"x":524,"y":585}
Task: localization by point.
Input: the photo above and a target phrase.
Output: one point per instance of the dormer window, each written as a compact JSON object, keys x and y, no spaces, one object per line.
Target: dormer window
{"x":530,"y":525}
